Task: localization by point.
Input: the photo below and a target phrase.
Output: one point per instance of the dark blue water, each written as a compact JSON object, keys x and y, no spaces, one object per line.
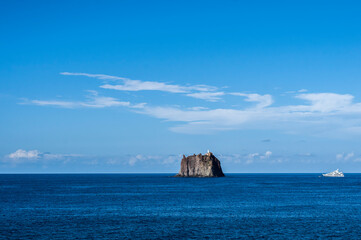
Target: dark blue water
{"x":121,"y":206}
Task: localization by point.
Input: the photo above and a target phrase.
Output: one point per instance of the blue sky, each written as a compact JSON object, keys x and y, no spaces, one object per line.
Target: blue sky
{"x":130,"y":86}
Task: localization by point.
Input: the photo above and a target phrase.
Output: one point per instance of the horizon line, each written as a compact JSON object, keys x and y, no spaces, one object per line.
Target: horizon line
{"x":162,"y":173}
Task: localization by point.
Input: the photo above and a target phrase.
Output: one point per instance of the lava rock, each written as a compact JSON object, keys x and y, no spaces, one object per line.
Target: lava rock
{"x":200,"y":166}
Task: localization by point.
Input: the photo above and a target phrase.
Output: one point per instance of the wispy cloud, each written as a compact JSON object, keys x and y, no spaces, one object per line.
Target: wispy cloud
{"x":32,"y":156}
{"x":98,"y":76}
{"x":93,"y":101}
{"x":208,"y":96}
{"x":345,"y":156}
{"x":251,"y":157}
{"x":140,"y":158}
{"x":261,"y":100}
{"x":298,"y":91}
{"x":322,"y":110}
{"x":248,"y":158}
{"x":302,"y":90}
{"x":257,"y":156}
{"x":138,"y":85}
{"x":197,"y":108}
{"x":327,"y":102}
{"x":143,"y":159}
{"x":322,"y":107}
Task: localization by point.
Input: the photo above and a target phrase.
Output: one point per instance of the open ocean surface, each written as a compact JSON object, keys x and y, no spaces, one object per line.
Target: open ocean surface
{"x":158,"y":206}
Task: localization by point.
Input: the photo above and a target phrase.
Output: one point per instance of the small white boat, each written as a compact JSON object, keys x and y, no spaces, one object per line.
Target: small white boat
{"x":335,"y":173}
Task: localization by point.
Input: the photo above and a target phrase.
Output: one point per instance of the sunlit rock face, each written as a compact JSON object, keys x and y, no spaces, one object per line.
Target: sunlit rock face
{"x":200,"y":166}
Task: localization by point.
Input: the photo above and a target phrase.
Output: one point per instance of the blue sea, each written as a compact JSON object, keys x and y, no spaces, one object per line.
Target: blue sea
{"x":159,"y":206}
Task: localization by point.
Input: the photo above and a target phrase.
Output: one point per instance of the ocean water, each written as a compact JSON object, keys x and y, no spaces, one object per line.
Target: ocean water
{"x":158,"y":206}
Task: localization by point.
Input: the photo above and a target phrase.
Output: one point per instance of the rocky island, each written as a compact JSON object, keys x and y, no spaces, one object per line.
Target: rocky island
{"x":206,"y":165}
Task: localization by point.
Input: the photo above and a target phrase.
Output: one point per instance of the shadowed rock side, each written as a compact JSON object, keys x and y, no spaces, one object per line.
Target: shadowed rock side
{"x":200,"y":166}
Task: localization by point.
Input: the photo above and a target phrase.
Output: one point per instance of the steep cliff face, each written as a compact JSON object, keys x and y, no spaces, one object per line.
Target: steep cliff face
{"x":200,"y":166}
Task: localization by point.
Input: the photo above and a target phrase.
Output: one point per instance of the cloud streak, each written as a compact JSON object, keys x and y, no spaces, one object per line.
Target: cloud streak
{"x":33,"y":156}
{"x":138,"y":85}
{"x":317,"y":111}
{"x":261,"y":100}
{"x":92,"y":101}
{"x":327,"y":102}
{"x":345,"y":156}
{"x":249,"y":158}
{"x":322,"y":108}
{"x":208,"y":96}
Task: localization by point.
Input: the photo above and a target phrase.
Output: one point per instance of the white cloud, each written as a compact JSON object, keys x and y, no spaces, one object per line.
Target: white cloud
{"x":262,"y":100}
{"x":323,"y":108}
{"x":298,"y":91}
{"x":326,"y":102}
{"x":251,"y":157}
{"x":339,"y":156}
{"x":209,"y":96}
{"x":268,"y":154}
{"x":320,"y":111}
{"x":345,"y":156}
{"x":247,"y":159}
{"x":31,"y":156}
{"x":138,"y":85}
{"x":223,"y":117}
{"x":63,"y":104}
{"x":93,"y":101}
{"x":141,"y":158}
{"x":20,"y":153}
{"x":98,"y":76}
{"x":197,"y":108}
{"x":133,"y":160}
{"x":172,"y":159}
{"x":99,"y":102}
